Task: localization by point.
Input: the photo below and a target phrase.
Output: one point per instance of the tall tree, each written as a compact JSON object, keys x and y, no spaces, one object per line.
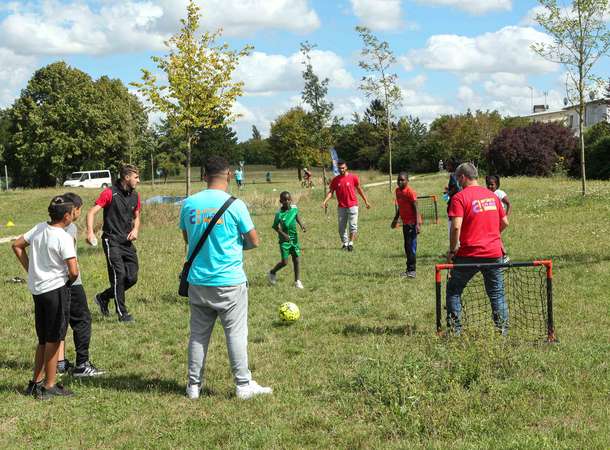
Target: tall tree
{"x":579,"y":38}
{"x":200,"y":91}
{"x":379,"y":82}
{"x":314,"y":94}
{"x":291,"y":141}
{"x":63,"y":121}
{"x":256,"y":135}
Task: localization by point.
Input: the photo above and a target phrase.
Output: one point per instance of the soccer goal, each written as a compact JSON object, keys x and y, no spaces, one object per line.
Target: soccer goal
{"x":427,"y":207}
{"x":528,"y":291}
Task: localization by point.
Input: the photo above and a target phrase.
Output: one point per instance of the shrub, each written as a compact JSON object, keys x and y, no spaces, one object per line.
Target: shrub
{"x":533,"y":150}
{"x":598,"y":159}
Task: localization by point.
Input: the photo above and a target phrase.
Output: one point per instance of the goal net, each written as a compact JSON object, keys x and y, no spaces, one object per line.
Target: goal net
{"x":427,"y":207}
{"x":528,"y":294}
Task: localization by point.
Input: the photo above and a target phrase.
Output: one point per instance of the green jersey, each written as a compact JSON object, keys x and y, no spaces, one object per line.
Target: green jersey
{"x":286,"y":220}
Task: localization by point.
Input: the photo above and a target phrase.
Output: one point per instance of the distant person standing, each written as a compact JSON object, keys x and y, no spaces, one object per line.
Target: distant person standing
{"x":121,"y":205}
{"x":345,"y":186}
{"x":441,"y":167}
{"x":239,"y":177}
{"x":218,"y":286}
{"x":406,"y":200}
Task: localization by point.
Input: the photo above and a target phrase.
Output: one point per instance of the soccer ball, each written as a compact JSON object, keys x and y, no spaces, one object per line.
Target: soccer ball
{"x":289,"y":312}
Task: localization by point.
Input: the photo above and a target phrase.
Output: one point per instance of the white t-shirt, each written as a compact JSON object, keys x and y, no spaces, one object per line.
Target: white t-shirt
{"x":72,"y":230}
{"x":501,"y":194}
{"x":50,"y":247}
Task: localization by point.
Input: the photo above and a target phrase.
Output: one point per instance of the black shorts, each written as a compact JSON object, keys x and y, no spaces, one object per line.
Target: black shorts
{"x":52,"y":312}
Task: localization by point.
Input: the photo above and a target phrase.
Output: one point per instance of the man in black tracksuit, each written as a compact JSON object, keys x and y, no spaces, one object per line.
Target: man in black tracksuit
{"x":121,"y":205}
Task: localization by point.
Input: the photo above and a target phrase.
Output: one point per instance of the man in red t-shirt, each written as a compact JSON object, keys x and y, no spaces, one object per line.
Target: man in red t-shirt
{"x":345,"y":186}
{"x":477,"y":220}
{"x":406,"y":201}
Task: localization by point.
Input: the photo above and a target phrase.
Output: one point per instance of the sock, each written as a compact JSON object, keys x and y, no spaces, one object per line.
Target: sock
{"x":351,"y":243}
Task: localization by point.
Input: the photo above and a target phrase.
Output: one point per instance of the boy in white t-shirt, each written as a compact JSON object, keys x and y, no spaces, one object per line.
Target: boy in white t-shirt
{"x":493,"y":184}
{"x":52,"y":267}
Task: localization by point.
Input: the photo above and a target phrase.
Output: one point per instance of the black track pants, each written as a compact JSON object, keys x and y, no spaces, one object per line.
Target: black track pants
{"x":122,"y":262}
{"x":80,"y":322}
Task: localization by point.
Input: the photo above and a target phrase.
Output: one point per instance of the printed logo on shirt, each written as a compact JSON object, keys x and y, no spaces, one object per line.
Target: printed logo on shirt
{"x":199,"y":216}
{"x":486,"y":204}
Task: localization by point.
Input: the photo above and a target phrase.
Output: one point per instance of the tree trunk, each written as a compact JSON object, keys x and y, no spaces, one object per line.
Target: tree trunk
{"x":300,"y":175}
{"x":390,"y":152}
{"x":581,"y":113}
{"x":201,"y":171}
{"x":188,"y":164}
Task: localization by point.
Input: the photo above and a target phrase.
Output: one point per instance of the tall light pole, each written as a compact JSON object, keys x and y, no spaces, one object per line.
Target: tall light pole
{"x":532,"y":93}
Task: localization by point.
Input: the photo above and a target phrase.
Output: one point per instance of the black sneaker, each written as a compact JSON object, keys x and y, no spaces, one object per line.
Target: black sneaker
{"x":86,"y":369}
{"x":56,"y":391}
{"x":32,"y":388}
{"x":64,"y":366}
{"x":350,"y":248}
{"x":344,"y":247}
{"x":103,"y":304}
{"x":126,"y":318}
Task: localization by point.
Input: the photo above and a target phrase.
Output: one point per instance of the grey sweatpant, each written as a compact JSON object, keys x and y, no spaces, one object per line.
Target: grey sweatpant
{"x":347,"y":216}
{"x":230,"y":304}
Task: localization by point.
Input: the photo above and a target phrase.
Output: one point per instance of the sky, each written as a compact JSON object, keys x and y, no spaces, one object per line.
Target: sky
{"x":452,"y":55}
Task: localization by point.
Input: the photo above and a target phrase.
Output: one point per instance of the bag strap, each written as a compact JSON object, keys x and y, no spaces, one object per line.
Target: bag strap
{"x":208,"y":229}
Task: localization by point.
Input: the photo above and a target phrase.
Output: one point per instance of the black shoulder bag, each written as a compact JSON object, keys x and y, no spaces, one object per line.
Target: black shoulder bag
{"x":183,"y":290}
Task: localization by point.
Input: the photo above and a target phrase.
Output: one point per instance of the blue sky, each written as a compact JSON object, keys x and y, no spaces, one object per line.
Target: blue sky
{"x":452,"y":54}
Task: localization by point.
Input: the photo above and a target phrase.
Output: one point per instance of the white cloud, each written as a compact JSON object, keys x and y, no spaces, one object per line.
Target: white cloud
{"x":244,"y":17}
{"x":381,"y":15}
{"x":263,"y":73}
{"x":74,"y":28}
{"x":506,"y":50}
{"x":51,"y":27}
{"x":15,"y":71}
{"x":472,"y":6}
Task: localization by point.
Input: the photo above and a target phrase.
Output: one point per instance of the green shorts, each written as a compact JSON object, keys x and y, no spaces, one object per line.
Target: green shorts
{"x":289,"y":248}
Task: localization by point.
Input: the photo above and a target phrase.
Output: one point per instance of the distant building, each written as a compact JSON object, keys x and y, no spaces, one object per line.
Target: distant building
{"x":596,"y":111}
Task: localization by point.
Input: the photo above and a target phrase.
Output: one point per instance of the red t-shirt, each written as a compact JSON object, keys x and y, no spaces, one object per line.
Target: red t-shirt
{"x":405,"y":199}
{"x":482,"y":212}
{"x":105,"y":199}
{"x":344,"y":186}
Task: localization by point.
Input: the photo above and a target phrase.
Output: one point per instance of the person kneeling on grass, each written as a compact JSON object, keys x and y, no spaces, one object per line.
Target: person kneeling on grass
{"x":406,"y":201}
{"x":285,"y":224}
{"x":217,"y":282}
{"x":52,"y":268}
{"x":477,"y":220}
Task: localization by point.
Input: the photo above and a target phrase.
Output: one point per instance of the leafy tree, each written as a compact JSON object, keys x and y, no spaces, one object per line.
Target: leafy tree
{"x":580,"y":37}
{"x":535,"y":150}
{"x":291,"y":141}
{"x":200,"y":92}
{"x":314,"y":94}
{"x":256,"y":135}
{"x":598,"y":159}
{"x":377,"y":61}
{"x":63,"y":121}
{"x":216,"y":141}
{"x":409,"y":136}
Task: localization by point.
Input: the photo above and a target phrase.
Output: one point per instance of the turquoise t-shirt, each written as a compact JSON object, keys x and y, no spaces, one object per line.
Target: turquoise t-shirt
{"x":220,"y":260}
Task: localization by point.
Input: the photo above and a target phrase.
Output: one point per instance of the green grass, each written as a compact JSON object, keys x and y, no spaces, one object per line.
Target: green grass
{"x":361,"y":369}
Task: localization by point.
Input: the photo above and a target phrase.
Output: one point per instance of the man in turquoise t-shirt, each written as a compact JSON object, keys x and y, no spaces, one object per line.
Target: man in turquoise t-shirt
{"x":217,"y":279}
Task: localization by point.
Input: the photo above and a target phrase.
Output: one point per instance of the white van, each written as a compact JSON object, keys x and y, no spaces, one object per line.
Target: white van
{"x":89,"y":179}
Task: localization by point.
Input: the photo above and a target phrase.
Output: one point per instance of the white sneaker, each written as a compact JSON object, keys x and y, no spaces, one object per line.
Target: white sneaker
{"x":192,"y":391}
{"x":272,"y":278}
{"x":251,"y":389}
{"x":299,"y":285}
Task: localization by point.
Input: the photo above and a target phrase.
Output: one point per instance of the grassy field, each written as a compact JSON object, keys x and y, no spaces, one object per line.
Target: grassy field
{"x":362,"y":369}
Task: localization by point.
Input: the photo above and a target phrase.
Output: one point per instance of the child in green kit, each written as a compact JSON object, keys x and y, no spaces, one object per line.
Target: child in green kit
{"x":285,"y":224}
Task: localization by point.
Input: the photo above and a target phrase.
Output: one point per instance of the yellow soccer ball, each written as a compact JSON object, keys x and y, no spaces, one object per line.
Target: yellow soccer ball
{"x":289,"y":312}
